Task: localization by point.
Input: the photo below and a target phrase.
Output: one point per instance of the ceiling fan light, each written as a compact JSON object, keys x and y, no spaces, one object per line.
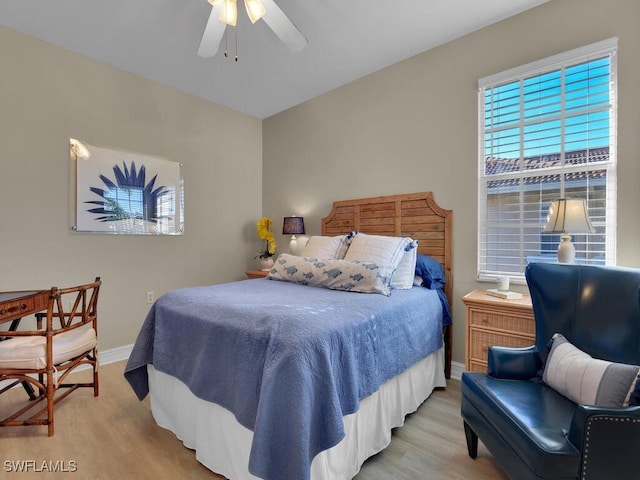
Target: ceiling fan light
{"x":255,"y":9}
{"x":214,"y":2}
{"x":229,"y":12}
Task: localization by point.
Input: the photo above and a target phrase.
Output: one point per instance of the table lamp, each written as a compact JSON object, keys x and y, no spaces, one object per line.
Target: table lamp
{"x":293,"y":226}
{"x":567,"y":216}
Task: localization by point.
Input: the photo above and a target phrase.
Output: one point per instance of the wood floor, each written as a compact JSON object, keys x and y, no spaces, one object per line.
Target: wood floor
{"x":113,"y":436}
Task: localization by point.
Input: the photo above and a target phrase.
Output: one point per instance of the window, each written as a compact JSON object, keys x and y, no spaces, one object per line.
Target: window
{"x":547,"y":130}
{"x":125,"y":203}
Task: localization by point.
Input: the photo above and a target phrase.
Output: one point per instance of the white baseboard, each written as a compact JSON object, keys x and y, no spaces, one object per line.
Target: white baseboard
{"x":115,"y":354}
{"x":456,"y":370}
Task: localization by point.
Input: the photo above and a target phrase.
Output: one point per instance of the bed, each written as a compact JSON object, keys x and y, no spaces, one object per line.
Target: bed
{"x":281,"y":380}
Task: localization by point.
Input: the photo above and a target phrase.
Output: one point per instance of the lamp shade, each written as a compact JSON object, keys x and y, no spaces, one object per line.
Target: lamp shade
{"x":293,"y":226}
{"x":568,"y":215}
{"x":255,"y":9}
{"x":229,"y":13}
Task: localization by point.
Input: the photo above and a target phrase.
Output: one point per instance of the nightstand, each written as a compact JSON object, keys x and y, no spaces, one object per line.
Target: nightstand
{"x":256,"y":273}
{"x":495,"y":321}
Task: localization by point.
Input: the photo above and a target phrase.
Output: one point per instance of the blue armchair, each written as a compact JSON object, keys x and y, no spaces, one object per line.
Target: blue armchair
{"x":531,"y":429}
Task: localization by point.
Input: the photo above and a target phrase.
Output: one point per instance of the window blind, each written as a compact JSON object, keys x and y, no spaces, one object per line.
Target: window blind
{"x":546,"y":131}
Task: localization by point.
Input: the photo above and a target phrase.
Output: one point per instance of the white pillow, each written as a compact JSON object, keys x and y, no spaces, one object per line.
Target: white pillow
{"x":326,"y":248}
{"x":380,"y":249}
{"x":404,"y":275}
{"x":587,"y":380}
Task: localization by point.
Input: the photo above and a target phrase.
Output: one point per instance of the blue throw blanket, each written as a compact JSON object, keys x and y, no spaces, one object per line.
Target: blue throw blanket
{"x":287,"y":360}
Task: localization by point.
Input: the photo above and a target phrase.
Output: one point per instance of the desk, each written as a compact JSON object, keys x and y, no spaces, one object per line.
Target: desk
{"x":15,"y":305}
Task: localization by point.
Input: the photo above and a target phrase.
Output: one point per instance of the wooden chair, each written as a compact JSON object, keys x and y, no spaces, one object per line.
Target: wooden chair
{"x":44,"y":357}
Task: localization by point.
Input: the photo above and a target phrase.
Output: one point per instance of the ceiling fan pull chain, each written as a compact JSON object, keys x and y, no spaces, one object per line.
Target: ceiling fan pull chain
{"x":236,"y":44}
{"x":226,"y":52}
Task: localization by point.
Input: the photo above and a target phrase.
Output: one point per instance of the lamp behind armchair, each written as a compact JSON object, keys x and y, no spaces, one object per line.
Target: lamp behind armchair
{"x":567,"y":216}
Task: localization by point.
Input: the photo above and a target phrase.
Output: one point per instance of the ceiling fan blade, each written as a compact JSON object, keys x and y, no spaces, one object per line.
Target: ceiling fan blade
{"x":212,"y":33}
{"x":283,"y":27}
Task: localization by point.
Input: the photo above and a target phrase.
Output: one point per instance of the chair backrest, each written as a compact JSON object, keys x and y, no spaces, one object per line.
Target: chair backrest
{"x":595,"y":308}
{"x":74,"y":306}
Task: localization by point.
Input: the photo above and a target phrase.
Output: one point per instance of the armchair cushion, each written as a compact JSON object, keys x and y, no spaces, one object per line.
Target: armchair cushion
{"x":587,"y":380}
{"x":30,"y":352}
{"x":524,"y":419}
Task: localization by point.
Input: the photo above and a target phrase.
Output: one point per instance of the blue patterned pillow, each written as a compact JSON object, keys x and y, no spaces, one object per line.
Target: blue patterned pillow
{"x":350,"y":276}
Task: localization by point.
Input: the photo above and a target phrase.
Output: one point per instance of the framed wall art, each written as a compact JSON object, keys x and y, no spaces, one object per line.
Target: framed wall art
{"x":119,"y":192}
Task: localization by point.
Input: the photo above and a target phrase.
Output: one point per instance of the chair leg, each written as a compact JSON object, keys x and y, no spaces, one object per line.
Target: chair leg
{"x":472,"y":441}
{"x":50,"y":401}
{"x":96,"y":365}
{"x":29,"y":389}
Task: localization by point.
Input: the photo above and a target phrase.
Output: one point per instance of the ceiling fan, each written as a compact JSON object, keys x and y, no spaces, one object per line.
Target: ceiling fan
{"x":225,"y":12}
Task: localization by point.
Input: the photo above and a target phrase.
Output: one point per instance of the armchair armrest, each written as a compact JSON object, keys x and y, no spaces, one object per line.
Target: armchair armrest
{"x":583,"y":413}
{"x":513,"y":363}
{"x":609,"y":439}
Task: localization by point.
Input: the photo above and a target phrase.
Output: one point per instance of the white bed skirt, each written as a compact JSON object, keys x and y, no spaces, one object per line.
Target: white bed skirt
{"x":222,"y":444}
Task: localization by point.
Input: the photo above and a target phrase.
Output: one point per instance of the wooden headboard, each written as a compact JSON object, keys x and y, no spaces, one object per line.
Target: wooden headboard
{"x":414,"y":215}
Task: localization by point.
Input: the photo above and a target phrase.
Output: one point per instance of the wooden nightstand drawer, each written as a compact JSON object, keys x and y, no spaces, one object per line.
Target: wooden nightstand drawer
{"x":482,"y":340}
{"x":495,"y":321}
{"x":503,"y":322}
{"x":477,"y":367}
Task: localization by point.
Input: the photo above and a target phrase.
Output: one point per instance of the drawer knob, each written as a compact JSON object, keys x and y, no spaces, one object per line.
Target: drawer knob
{"x":484,"y":347}
{"x":485,"y":320}
{"x":22,"y":306}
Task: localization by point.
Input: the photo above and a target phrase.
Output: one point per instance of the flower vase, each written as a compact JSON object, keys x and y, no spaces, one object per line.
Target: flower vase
{"x":266,"y":263}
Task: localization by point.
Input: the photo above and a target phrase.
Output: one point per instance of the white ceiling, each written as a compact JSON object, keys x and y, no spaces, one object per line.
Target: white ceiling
{"x":347,"y":39}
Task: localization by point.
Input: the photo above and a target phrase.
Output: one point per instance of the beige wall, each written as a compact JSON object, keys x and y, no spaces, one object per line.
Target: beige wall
{"x":408,"y":128}
{"x":413,"y":127}
{"x":48,"y":95}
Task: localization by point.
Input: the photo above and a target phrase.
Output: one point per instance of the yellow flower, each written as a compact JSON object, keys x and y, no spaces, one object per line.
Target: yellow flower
{"x":262,"y":227}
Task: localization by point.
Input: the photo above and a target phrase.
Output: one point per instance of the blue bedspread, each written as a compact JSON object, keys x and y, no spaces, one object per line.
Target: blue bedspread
{"x":287,"y":360}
